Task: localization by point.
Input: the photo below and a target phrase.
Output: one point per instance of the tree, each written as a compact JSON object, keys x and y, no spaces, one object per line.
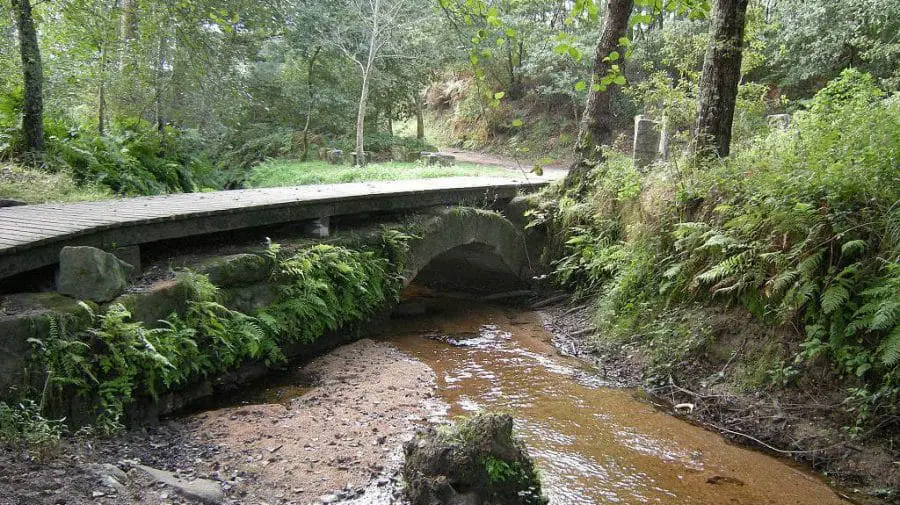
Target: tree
{"x":33,"y":80}
{"x":595,"y":129}
{"x":363,"y":36}
{"x":720,"y":78}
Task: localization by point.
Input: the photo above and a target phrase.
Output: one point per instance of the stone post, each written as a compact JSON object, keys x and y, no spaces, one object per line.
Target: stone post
{"x":335,"y":157}
{"x":664,"y":139}
{"x":646,"y":141}
{"x":779,"y":121}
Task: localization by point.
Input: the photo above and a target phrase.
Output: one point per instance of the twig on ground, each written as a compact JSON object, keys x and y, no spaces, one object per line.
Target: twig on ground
{"x":550,"y":301}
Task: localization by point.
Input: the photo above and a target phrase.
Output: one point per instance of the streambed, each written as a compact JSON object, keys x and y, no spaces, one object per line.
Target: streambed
{"x":331,"y":431}
{"x":593,"y":443}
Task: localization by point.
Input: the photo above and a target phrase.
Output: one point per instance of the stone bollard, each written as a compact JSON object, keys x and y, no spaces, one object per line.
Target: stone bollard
{"x":663,"y":150}
{"x":335,"y":157}
{"x":366,"y":157}
{"x":779,"y":121}
{"x":646,"y":141}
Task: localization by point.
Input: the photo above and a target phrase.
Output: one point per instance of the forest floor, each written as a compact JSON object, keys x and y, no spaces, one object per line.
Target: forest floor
{"x":795,"y":422}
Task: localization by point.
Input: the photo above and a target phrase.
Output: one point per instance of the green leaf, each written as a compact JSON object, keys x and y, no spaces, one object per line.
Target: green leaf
{"x":517,"y":123}
{"x":613,"y":56}
{"x":499,"y":95}
{"x":580,"y":85}
{"x":537,"y":170}
{"x":620,"y":80}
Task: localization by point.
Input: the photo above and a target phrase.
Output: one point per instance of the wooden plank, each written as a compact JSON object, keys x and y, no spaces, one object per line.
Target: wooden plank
{"x":12,"y":233}
{"x":61,"y":213}
{"x":40,"y":224}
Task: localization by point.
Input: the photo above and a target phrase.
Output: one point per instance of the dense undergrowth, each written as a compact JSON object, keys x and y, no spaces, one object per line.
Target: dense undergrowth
{"x":801,"y":229}
{"x":320,"y":288}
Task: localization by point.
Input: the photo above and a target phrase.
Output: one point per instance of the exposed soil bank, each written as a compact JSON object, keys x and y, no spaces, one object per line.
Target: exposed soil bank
{"x":795,"y":423}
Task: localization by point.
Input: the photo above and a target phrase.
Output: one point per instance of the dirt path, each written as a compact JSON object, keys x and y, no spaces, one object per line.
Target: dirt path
{"x":558,"y":169}
{"x":328,"y":445}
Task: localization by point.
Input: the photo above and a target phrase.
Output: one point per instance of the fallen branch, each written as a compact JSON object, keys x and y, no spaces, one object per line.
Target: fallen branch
{"x":581,"y":333}
{"x":550,"y":301}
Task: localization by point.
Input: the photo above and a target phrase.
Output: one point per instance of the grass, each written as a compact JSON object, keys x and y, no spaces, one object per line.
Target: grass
{"x":31,"y":185}
{"x":292,"y":173}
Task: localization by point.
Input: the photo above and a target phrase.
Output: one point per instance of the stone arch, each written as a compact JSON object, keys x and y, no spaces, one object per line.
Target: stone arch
{"x":470,"y":243}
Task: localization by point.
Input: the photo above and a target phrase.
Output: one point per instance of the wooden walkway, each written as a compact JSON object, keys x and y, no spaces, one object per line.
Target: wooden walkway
{"x":31,"y":236}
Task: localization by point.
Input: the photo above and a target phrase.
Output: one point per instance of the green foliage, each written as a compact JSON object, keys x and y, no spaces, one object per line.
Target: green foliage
{"x":499,"y":470}
{"x":800,"y":228}
{"x":322,"y":288}
{"x":24,"y":427}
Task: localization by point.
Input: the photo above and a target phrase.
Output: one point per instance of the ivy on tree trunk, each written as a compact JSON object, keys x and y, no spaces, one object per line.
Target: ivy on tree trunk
{"x":596,"y":125}
{"x":720,"y":79}
{"x":33,"y":80}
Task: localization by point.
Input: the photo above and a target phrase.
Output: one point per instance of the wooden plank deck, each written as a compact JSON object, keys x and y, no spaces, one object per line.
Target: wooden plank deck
{"x":32,"y":235}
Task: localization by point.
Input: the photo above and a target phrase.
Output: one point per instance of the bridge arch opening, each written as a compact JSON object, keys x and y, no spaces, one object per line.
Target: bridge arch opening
{"x":469,"y":250}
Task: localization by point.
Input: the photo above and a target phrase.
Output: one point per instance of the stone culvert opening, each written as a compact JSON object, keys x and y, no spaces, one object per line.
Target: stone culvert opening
{"x":471,"y":250}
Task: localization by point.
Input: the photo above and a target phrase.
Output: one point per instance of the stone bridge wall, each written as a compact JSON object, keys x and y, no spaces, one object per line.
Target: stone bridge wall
{"x":486,"y":239}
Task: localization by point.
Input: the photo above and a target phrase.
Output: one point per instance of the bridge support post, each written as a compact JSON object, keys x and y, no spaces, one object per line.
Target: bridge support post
{"x":318,"y":228}
{"x":130,"y":255}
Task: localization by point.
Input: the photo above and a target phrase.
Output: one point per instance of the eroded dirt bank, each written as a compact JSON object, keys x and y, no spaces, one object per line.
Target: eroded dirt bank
{"x":326,"y":445}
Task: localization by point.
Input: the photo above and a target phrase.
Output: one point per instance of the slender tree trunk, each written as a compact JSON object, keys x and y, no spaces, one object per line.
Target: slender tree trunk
{"x":158,"y":84}
{"x":101,"y":108}
{"x":364,"y":92}
{"x":128,"y":25}
{"x":720,"y":79}
{"x":361,"y":120}
{"x":33,"y":79}
{"x":595,"y":129}
{"x":390,"y":118}
{"x":309,"y":102}
{"x":420,"y":118}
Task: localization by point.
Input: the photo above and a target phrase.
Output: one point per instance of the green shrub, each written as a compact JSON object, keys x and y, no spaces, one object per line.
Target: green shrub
{"x":802,"y":228}
{"x":322,"y":288}
{"x":23,"y":426}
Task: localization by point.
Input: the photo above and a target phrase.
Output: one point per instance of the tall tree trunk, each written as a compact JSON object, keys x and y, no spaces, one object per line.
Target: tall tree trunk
{"x":595,"y":129}
{"x":101,"y":108}
{"x":309,"y":101}
{"x":720,"y":79}
{"x":364,"y":91}
{"x":420,"y":117}
{"x":390,"y":118}
{"x":128,"y":26}
{"x":361,"y":120}
{"x":158,"y":84}
{"x":33,"y":79}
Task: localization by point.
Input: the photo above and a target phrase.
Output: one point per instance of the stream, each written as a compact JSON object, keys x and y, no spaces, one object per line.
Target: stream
{"x":593,"y":443}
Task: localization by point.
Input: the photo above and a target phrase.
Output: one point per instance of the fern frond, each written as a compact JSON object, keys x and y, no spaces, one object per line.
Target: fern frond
{"x":889,"y":350}
{"x":833,"y":298}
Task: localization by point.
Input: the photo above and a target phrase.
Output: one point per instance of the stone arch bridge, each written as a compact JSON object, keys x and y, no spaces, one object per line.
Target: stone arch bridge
{"x":461,"y":242}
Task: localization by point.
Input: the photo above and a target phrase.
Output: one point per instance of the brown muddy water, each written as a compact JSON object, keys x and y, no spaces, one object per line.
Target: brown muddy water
{"x":594,"y":444}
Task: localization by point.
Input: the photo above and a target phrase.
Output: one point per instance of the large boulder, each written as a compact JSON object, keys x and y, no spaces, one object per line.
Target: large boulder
{"x":88,"y":273}
{"x":475,"y":462}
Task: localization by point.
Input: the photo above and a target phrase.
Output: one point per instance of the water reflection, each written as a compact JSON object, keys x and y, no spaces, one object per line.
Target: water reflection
{"x":593,"y":444}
